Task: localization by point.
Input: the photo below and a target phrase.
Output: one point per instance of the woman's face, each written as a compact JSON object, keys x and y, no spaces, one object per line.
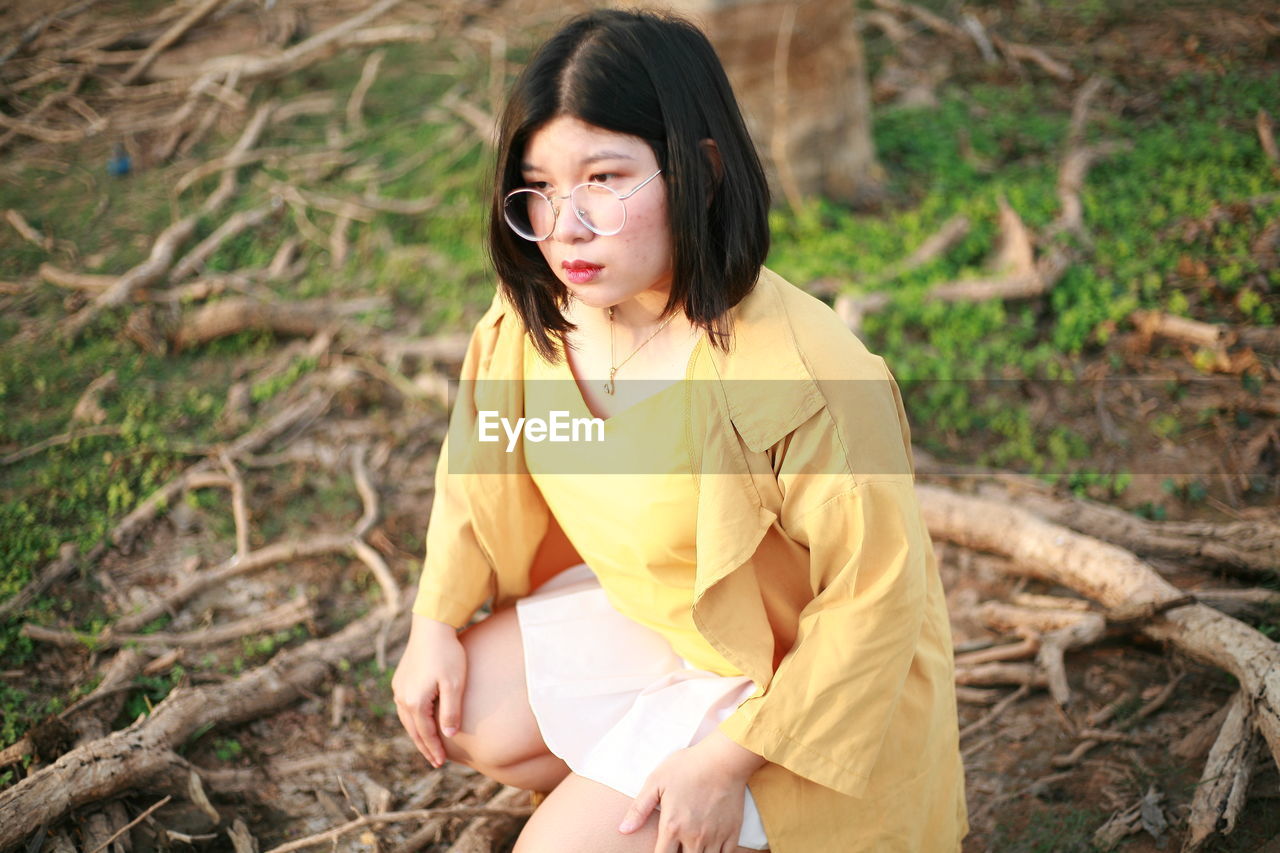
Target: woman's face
{"x":601,"y":271}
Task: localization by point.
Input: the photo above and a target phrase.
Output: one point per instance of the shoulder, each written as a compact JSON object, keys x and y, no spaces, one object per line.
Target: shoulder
{"x":824,"y":342}
{"x":858,"y":429}
{"x":497,"y":341}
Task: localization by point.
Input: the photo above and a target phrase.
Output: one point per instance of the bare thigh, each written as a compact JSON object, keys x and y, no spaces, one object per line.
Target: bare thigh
{"x":582,"y":816}
{"x":498,"y":728}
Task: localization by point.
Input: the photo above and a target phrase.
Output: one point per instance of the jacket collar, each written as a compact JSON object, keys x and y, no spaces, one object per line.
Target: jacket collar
{"x":769,"y":387}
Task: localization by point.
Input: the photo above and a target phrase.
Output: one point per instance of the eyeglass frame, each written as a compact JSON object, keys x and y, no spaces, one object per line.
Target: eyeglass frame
{"x":555,"y":211}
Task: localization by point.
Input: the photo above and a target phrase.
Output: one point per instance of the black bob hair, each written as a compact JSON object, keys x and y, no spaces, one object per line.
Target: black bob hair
{"x":656,"y":77}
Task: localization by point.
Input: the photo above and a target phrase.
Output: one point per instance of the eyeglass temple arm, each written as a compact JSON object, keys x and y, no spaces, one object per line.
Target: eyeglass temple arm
{"x":637,"y":189}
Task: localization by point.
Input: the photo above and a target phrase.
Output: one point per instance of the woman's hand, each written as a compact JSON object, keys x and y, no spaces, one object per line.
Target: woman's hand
{"x":428,"y":686}
{"x":702,"y":790}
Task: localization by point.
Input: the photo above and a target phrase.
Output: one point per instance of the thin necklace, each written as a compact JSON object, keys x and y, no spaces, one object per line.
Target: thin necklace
{"x":610,"y":386}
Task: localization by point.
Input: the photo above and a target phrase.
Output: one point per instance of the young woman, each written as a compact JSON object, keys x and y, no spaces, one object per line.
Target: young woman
{"x":717,"y":623}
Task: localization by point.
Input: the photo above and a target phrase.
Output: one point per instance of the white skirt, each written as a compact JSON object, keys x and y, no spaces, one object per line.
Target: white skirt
{"x":611,"y":697}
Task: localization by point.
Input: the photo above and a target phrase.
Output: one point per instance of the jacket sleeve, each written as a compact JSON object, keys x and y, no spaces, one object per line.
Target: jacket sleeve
{"x":457,"y":573}
{"x":825,"y":712}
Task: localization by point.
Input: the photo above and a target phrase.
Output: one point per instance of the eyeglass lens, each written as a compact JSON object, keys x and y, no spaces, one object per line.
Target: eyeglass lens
{"x":532,"y":216}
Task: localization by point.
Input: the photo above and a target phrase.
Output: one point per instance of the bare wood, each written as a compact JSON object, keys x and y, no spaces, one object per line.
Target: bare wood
{"x":131,"y":824}
{"x":236,"y":224}
{"x":391,"y":34}
{"x":196,"y":14}
{"x":1210,"y":335}
{"x":127,"y":758}
{"x":934,"y":22}
{"x":1251,"y":548}
{"x":1260,"y":337}
{"x":1115,"y":578}
{"x":951,"y":232}
{"x":994,"y":714}
{"x":1071,"y":175}
{"x":485,"y":833}
{"x":76,"y":281}
{"x":338,"y":243}
{"x":301,"y":54}
{"x":55,"y":441}
{"x":55,"y":571}
{"x":276,"y":619}
{"x":307,"y":408}
{"x":88,"y":408}
{"x":248,"y":138}
{"x":26,"y":231}
{"x":1001,"y":673}
{"x":148,"y":272}
{"x":228,"y":316}
{"x":355,"y":104}
{"x":781,"y":99}
{"x":1024,"y":648}
{"x":1026,"y":52}
{"x":1266,"y":138}
{"x":399,"y":817}
{"x":1225,"y":780}
{"x":261,"y":558}
{"x":46,"y":134}
{"x":239,"y":508}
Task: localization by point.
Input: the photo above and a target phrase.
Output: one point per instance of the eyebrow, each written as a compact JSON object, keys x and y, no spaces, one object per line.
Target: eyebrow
{"x":586,"y":161}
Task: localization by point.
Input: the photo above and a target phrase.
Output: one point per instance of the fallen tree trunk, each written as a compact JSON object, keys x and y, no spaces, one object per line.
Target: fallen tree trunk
{"x":1118,"y":580}
{"x":128,"y":758}
{"x":1249,"y":548}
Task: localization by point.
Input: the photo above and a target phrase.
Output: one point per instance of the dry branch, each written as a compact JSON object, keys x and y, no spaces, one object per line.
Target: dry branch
{"x":141,"y":756}
{"x":397,"y":817}
{"x":170,"y":37}
{"x":355,"y":105}
{"x":26,"y":231}
{"x":298,"y":56}
{"x":309,"y":407}
{"x":1026,"y":52}
{"x":1221,"y":793}
{"x":146,"y":273}
{"x":228,"y":316}
{"x":1116,"y":579}
{"x":1001,"y":673}
{"x":236,"y":224}
{"x":1266,"y":138}
{"x":276,"y":619}
{"x":1250,"y":548}
{"x":77,"y":281}
{"x":55,"y":441}
{"x":248,"y":138}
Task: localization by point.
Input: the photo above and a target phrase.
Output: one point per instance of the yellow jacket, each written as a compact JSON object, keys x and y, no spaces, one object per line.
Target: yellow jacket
{"x":816,"y":575}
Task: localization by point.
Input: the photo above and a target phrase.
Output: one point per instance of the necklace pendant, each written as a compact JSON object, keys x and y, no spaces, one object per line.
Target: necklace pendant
{"x":608,"y":388}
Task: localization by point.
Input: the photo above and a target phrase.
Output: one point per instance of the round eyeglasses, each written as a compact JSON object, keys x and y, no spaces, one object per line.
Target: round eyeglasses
{"x":532,"y":215}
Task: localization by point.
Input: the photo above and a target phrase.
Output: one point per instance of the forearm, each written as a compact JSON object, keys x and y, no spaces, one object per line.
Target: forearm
{"x":735,"y":760}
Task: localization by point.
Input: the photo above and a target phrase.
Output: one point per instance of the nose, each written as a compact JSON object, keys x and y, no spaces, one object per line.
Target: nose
{"x":569,"y":228}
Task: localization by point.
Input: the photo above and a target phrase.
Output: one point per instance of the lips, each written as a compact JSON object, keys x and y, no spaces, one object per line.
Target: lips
{"x":580,"y":272}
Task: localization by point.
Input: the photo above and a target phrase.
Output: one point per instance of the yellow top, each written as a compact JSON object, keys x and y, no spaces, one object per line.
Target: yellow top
{"x":816,"y":574}
{"x":637,"y":531}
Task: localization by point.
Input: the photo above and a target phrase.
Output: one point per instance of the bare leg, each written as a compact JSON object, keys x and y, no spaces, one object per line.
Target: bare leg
{"x":582,"y":816}
{"x":499,"y":735}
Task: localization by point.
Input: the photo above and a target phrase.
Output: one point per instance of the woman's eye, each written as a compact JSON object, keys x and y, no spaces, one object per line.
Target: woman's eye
{"x":601,"y":178}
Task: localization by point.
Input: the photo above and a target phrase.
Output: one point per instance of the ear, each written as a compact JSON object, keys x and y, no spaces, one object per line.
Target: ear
{"x":712,"y":152}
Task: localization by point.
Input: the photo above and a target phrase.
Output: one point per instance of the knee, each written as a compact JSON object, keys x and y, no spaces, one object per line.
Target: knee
{"x":488,"y":752}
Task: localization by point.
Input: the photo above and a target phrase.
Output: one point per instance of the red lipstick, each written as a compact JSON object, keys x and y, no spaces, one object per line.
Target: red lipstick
{"x":580,"y":272}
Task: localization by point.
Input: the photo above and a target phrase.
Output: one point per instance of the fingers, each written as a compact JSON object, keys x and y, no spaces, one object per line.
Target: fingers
{"x":411,"y":727}
{"x":451,"y":690}
{"x":638,"y":811}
